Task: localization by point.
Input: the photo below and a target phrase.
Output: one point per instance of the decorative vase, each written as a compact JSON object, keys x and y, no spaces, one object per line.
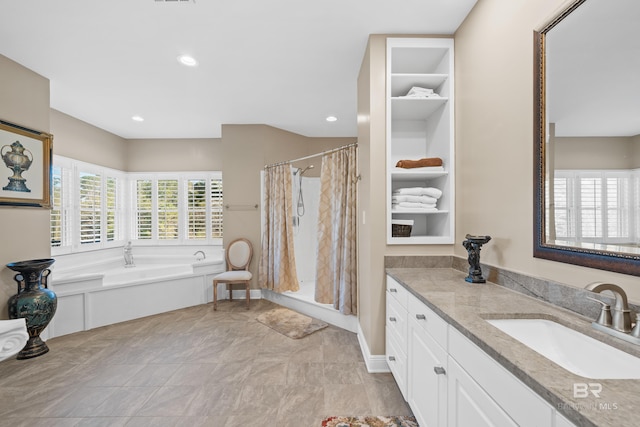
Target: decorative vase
{"x":34,"y":302}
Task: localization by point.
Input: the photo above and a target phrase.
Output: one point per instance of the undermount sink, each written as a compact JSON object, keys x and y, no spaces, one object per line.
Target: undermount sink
{"x":572,"y":350}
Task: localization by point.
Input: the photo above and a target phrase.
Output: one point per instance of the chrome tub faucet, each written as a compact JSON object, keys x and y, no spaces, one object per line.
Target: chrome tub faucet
{"x":204,"y":256}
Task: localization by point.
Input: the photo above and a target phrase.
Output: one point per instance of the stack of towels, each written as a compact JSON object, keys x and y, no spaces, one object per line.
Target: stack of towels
{"x":420,"y":92}
{"x":415,"y":198}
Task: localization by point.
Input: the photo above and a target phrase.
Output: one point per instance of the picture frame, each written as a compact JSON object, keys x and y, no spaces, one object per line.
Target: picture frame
{"x":25,"y":168}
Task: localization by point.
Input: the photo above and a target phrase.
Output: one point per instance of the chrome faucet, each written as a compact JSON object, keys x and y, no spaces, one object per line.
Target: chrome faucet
{"x":204,"y":256}
{"x":620,"y":313}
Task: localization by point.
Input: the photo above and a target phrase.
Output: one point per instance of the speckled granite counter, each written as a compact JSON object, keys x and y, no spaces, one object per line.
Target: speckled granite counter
{"x":465,"y":306}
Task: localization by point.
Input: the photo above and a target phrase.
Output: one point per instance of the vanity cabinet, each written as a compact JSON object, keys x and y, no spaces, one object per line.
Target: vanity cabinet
{"x":448,"y":380}
{"x":420,"y":127}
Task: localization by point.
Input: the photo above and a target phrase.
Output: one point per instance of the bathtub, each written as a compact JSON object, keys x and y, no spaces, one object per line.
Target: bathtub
{"x":106,"y":292}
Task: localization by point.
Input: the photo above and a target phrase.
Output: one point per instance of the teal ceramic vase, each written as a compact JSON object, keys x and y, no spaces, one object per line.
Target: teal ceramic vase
{"x":34,"y":302}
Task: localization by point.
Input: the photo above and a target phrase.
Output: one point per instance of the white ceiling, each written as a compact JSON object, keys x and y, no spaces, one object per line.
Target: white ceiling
{"x":285,"y":63}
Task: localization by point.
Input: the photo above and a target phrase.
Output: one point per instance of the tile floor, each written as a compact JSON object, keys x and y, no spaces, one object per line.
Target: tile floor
{"x":195,"y":367}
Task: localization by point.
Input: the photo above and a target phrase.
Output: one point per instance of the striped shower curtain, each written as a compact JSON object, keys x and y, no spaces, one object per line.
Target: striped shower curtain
{"x":337,"y":265}
{"x":277,"y":269}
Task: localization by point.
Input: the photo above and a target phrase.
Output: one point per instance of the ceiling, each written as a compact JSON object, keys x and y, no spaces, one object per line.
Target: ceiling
{"x":284,"y":63}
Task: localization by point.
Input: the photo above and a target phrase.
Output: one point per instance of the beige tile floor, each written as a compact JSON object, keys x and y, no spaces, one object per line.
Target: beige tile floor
{"x":195,"y":367}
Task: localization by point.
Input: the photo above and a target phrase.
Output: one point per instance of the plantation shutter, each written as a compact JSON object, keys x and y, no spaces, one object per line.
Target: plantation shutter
{"x":216,"y":208}
{"x":56,"y":207}
{"x":168,"y":209}
{"x":144,"y":209}
{"x":90,"y":208}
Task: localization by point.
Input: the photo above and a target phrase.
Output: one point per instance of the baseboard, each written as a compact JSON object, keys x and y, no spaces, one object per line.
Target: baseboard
{"x":375,"y":363}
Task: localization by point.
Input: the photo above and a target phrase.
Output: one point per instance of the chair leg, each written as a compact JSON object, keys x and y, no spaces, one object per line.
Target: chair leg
{"x":215,"y":295}
{"x":248,"y":298}
{"x":230,"y":291}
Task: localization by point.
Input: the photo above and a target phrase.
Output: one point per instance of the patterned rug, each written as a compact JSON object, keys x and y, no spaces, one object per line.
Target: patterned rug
{"x":396,"y":421}
{"x":290,"y":323}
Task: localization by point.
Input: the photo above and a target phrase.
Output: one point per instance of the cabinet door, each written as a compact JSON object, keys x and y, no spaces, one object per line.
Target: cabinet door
{"x":427,"y":378}
{"x":469,"y":404}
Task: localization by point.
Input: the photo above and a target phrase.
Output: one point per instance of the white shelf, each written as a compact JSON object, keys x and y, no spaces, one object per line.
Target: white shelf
{"x":411,"y":175}
{"x":421,"y":128}
{"x":418,"y":212}
{"x":415,"y":108}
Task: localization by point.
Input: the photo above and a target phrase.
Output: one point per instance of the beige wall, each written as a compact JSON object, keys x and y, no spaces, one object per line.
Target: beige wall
{"x":594,"y":153}
{"x":149,"y":155}
{"x":24,"y":100}
{"x":246,"y":150}
{"x":494,"y":137}
{"x":81,"y":141}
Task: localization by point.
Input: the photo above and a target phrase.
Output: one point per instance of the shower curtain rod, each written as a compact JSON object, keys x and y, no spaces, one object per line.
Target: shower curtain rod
{"x":355,"y":144}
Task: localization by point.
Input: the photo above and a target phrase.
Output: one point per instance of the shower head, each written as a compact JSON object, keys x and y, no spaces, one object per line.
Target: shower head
{"x":305,"y":169}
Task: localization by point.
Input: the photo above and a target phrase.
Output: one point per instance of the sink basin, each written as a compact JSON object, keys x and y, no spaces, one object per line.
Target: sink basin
{"x":572,"y":350}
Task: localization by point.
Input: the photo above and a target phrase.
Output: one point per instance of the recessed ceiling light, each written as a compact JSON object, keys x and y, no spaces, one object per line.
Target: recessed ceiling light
{"x":332,"y":118}
{"x":187,"y":60}
{"x":137,"y":118}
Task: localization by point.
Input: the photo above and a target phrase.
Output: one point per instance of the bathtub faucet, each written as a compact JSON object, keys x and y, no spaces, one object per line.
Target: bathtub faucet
{"x":203,"y":255}
{"x":128,"y":255}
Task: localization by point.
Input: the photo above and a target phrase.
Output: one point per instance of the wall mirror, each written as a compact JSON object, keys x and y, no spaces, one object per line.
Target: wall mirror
{"x":587,"y":136}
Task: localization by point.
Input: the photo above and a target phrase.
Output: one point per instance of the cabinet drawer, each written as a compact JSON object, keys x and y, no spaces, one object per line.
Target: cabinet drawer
{"x":397,"y":361}
{"x":397,"y":291}
{"x":514,"y":397}
{"x":397,"y":320}
{"x":428,"y":320}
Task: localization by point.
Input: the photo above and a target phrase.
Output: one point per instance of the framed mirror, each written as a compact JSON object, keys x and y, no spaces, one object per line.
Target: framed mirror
{"x":587,"y":136}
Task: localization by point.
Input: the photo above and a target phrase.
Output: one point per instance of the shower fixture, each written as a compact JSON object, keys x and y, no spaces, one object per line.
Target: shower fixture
{"x":300,"y":206}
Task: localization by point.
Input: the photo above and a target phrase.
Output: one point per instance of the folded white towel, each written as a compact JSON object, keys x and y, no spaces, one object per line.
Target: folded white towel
{"x":401,"y":209}
{"x":419,"y":191}
{"x":414,"y":205}
{"x":415,"y":199}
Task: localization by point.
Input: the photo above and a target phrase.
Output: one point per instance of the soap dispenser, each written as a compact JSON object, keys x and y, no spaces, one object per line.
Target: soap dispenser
{"x":604,"y":318}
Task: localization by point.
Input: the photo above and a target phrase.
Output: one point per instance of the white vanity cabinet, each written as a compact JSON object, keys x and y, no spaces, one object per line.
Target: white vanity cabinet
{"x":427,"y":365}
{"x":447,"y":379}
{"x":421,"y":127}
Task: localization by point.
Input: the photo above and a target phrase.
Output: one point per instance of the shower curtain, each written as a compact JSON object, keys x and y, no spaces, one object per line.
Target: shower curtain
{"x":336,"y":271}
{"x":277,"y":269}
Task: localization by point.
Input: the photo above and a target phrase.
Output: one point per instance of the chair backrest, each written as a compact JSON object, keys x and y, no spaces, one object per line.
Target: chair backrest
{"x":239,"y":254}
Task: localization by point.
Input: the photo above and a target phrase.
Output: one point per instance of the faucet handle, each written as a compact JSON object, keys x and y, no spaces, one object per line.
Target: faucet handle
{"x":635,"y":332}
{"x":604,"y":318}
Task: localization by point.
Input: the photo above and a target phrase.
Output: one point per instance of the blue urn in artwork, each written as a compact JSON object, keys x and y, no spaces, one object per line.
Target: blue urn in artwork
{"x":34,"y":302}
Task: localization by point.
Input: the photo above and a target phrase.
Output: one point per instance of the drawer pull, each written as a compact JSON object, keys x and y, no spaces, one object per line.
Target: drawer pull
{"x":421,"y":317}
{"x":393,"y":290}
{"x":439,"y":370}
{"x":392,"y":358}
{"x":392,"y":319}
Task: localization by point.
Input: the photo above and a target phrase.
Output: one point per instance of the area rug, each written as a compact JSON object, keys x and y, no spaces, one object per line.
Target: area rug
{"x":394,"y":421}
{"x":290,"y":323}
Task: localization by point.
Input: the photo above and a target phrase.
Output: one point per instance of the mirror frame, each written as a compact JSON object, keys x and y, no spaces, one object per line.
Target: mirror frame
{"x":602,"y":260}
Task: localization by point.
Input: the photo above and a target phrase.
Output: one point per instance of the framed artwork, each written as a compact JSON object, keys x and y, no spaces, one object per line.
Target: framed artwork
{"x":25,"y":179}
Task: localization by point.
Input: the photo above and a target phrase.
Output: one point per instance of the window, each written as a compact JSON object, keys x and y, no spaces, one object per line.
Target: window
{"x":595,"y":206}
{"x":89,"y":209}
{"x":179,"y":208}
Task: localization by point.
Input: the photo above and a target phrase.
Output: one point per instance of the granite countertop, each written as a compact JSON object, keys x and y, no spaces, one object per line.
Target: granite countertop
{"x":465,"y":306}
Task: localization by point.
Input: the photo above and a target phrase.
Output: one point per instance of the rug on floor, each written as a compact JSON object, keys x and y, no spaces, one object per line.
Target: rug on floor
{"x":290,"y":323}
{"x":395,"y":421}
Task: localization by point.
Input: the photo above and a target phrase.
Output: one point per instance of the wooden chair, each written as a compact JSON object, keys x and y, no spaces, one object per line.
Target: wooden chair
{"x":238,"y":257}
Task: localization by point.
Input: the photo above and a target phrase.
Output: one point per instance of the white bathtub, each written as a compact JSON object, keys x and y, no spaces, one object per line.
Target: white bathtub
{"x":107,"y":292}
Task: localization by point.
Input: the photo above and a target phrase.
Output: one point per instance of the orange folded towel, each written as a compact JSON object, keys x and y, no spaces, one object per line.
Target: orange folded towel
{"x":408,"y":164}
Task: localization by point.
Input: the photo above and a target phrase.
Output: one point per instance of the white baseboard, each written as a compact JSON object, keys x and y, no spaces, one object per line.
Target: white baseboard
{"x":375,"y":363}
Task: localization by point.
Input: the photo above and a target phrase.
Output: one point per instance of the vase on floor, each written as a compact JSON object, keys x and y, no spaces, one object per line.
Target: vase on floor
{"x":34,"y":302}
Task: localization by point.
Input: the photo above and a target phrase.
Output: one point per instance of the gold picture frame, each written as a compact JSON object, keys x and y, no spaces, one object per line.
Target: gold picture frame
{"x":25,"y":179}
